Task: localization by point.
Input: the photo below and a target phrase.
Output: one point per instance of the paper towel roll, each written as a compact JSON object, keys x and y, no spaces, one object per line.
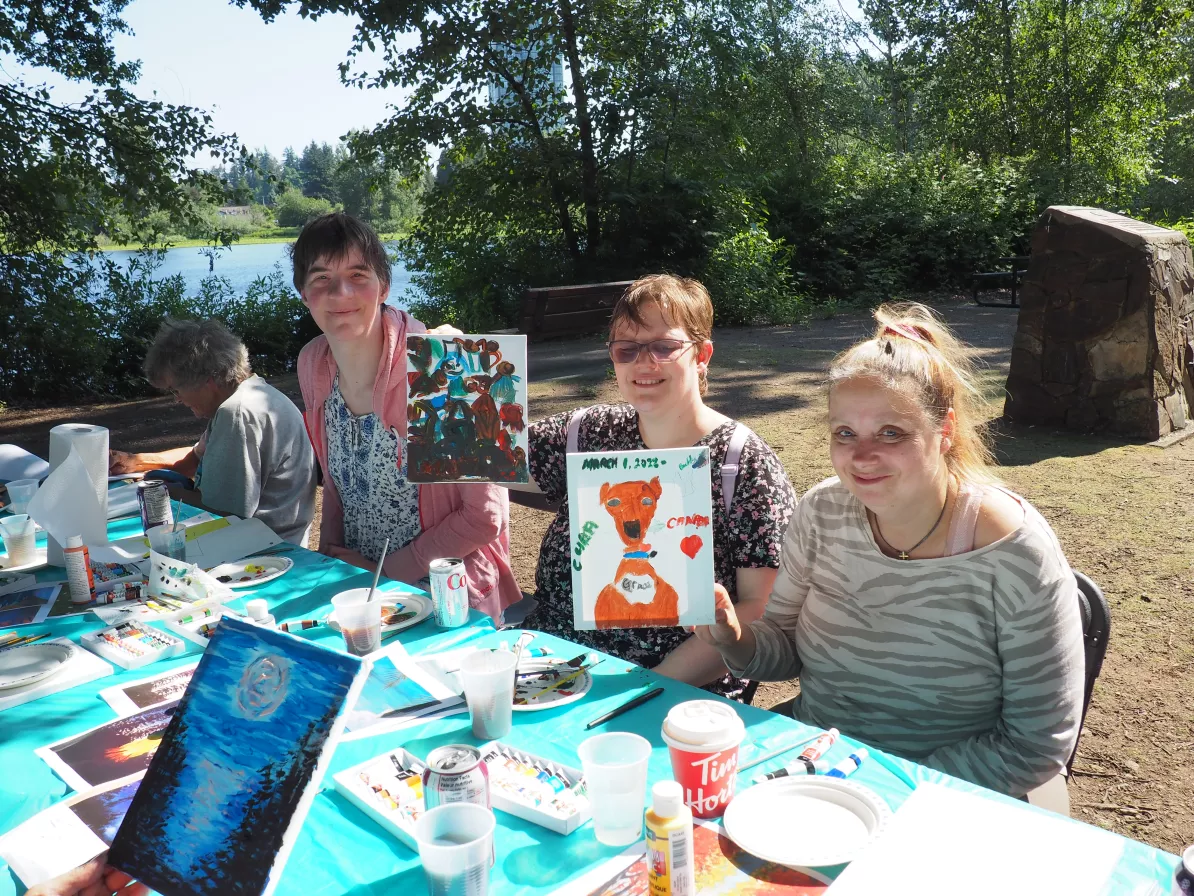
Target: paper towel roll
{"x":91,"y":442}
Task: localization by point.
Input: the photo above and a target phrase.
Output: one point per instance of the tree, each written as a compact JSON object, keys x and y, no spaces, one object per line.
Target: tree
{"x":294,"y":209}
{"x":317,"y":167}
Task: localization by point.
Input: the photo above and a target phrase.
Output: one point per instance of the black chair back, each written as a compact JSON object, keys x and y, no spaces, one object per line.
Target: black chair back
{"x":1096,"y":630}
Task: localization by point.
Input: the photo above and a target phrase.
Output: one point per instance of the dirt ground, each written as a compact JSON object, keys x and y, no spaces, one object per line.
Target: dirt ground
{"x":1123,"y":512}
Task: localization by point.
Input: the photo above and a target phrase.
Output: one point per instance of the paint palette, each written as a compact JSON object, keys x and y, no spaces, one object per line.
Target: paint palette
{"x":251,"y":572}
{"x":529,"y":693}
{"x":397,"y":613}
{"x":132,"y":644}
{"x":22,"y":666}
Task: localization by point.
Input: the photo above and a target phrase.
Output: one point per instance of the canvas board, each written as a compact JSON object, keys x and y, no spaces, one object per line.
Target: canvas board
{"x":165,"y":687}
{"x":64,"y":836}
{"x":642,"y":538}
{"x":244,"y":753}
{"x":466,"y":407}
{"x":109,"y":751}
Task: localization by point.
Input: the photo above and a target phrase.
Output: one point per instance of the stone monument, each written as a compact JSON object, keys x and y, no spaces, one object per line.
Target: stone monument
{"x":1105,"y":336}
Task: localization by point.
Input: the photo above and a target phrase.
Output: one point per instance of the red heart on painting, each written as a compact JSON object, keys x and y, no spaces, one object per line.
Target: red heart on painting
{"x":691,"y":545}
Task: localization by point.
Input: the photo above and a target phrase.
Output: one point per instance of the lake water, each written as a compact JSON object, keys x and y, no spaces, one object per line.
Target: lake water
{"x":243,"y":264}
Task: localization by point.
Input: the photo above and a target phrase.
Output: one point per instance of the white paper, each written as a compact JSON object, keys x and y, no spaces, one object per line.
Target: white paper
{"x":16,"y":581}
{"x":942,"y":842}
{"x":83,"y":667}
{"x":232,"y":539}
{"x":49,"y":844}
{"x":391,"y":667}
{"x":122,"y":501}
{"x":66,"y":505}
{"x":17,"y":463}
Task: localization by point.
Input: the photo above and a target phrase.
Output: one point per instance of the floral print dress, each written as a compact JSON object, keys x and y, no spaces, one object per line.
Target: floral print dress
{"x":749,"y":536}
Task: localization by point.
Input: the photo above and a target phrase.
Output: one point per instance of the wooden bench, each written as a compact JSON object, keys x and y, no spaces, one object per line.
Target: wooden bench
{"x":552,"y":312}
{"x":1018,"y":267}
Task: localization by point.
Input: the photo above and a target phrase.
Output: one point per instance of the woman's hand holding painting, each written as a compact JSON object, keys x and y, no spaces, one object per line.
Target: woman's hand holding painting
{"x":94,"y":878}
{"x":727,"y":630}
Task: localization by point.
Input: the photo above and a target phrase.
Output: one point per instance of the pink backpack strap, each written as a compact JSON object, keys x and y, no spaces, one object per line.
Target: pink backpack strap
{"x":574,"y":422}
{"x":961,"y":529}
{"x":729,"y":469}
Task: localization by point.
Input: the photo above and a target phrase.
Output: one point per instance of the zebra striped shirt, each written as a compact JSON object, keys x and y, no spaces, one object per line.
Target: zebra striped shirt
{"x":970,"y":664}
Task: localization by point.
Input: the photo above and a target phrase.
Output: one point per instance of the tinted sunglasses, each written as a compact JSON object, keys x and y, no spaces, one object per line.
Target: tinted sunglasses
{"x":626,"y":351}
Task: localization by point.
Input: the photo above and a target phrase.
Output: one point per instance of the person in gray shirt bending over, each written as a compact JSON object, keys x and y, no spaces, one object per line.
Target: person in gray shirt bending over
{"x":254,"y":459}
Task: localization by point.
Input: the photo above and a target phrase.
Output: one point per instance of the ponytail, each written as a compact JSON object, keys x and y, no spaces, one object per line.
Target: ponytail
{"x":914,"y":352}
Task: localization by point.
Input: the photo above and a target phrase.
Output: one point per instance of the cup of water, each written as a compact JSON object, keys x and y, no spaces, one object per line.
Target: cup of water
{"x":20,"y":538}
{"x":488,"y":679}
{"x":169,"y":540}
{"x":20,"y":493}
{"x":360,"y":620}
{"x":615,"y":767}
{"x":456,"y":848}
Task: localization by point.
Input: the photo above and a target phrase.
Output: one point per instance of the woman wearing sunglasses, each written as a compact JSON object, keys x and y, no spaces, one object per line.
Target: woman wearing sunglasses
{"x":660,"y":348}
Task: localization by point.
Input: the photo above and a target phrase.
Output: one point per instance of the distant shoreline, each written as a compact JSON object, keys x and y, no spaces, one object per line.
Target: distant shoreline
{"x":243,"y":241}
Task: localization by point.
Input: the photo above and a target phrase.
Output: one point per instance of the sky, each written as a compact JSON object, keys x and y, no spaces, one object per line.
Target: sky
{"x":273,"y":85}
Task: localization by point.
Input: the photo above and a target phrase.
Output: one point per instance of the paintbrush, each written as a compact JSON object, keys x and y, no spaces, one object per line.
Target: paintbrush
{"x":561,"y":682}
{"x":377,"y":575}
{"x":557,"y":668}
{"x":22,"y":642}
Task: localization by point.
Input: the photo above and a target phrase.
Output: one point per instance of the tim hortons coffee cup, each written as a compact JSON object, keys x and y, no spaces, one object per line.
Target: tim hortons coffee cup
{"x":703,"y":738}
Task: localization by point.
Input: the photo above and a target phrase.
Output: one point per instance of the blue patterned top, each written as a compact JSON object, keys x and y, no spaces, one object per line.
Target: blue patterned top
{"x":367,"y":463}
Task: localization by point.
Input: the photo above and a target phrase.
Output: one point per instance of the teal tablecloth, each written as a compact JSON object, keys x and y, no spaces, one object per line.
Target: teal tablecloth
{"x":340,"y":850}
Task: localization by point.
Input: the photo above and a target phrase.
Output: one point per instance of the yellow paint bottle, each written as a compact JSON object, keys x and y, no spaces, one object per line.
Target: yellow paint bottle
{"x":670,"y":870}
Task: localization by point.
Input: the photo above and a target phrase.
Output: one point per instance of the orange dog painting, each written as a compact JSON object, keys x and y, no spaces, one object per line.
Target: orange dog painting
{"x":642,"y":552}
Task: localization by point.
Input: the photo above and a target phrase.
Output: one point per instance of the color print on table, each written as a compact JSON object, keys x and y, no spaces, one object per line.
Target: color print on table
{"x":28,"y":605}
{"x":104,"y":811}
{"x":161,"y":688}
{"x":466,"y":408}
{"x":109,"y":751}
{"x":222,"y":803}
{"x":642,"y":544}
{"x":721,"y":867}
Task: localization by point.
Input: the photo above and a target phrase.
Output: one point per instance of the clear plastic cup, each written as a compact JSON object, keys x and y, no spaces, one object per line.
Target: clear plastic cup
{"x":20,"y":493}
{"x":456,"y":848}
{"x":615,"y":767}
{"x":20,"y":538}
{"x":488,"y":679}
{"x":360,"y":620}
{"x":169,"y":540}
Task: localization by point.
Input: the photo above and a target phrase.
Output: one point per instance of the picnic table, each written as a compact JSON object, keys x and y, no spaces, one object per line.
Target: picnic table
{"x":340,"y":850}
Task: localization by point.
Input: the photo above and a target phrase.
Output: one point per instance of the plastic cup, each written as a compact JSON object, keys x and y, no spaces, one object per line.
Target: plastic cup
{"x":488,"y":679}
{"x":456,"y":848}
{"x":169,"y":540}
{"x":615,"y":767}
{"x":20,"y":538}
{"x":360,"y":620}
{"x":20,"y":493}
{"x":702,"y":738}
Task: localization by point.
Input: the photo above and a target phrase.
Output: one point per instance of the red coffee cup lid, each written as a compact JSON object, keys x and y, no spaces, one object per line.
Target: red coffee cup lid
{"x":703,"y":724}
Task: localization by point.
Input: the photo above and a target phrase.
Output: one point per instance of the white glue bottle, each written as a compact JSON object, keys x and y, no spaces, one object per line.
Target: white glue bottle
{"x":79,"y":578}
{"x":670,"y":870}
{"x":259,"y":613}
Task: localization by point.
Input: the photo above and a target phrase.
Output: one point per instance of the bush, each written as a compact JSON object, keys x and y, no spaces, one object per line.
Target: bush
{"x":80,"y":329}
{"x":749,"y":276}
{"x":294,"y":209}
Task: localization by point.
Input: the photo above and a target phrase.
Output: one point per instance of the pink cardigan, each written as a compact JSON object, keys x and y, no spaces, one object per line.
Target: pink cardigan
{"x":469,"y":520}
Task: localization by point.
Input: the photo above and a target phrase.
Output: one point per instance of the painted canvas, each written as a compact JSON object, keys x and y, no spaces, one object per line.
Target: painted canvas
{"x":109,"y":751}
{"x":642,"y":540}
{"x":223,"y":800}
{"x":466,"y":408}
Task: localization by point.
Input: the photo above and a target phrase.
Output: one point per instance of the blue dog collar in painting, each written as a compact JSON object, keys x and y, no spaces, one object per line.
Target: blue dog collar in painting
{"x":638,"y":555}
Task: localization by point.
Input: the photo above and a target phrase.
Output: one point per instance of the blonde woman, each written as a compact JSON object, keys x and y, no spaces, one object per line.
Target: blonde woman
{"x":926,"y":609}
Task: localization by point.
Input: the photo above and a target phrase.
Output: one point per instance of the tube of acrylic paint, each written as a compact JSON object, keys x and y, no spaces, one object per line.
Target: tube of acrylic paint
{"x":849,"y":765}
{"x":799,"y":767}
{"x":817,"y":748}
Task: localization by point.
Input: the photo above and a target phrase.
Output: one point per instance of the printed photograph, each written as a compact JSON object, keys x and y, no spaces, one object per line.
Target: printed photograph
{"x":103,"y":812}
{"x":27,"y":605}
{"x":111,"y":751}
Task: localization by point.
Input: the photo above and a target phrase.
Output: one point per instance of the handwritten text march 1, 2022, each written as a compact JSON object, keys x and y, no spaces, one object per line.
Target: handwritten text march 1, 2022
{"x":623,"y":463}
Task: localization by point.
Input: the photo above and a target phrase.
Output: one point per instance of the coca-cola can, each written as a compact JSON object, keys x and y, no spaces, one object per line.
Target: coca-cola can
{"x":153,"y":497}
{"x":455,"y":773}
{"x":449,"y":592}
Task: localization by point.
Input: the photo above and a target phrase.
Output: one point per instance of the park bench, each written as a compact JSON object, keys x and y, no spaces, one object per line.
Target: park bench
{"x":1017,"y":267}
{"x":552,"y":312}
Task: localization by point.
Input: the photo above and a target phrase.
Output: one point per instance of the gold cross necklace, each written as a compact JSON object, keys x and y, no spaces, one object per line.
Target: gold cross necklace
{"x":907,"y":555}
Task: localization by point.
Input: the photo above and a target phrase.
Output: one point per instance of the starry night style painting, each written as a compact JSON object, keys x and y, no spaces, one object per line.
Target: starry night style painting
{"x":223,"y":800}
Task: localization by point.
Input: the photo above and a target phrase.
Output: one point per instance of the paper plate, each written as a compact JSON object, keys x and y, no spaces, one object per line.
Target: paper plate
{"x":561,"y":696}
{"x":250,"y":572}
{"x":395,"y":604}
{"x":807,"y":821}
{"x":21,"y":666}
{"x":39,"y":560}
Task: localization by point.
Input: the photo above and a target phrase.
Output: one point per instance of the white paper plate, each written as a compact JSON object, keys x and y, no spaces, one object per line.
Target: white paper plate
{"x":390,"y":601}
{"x":21,"y":666}
{"x":807,"y":821}
{"x":561,"y":696}
{"x":250,"y":572}
{"x":39,"y":560}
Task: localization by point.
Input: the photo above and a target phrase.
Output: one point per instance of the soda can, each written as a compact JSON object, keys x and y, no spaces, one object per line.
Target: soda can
{"x":449,"y":592}
{"x":455,"y":773}
{"x":154,"y":499}
{"x":1183,"y":877}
